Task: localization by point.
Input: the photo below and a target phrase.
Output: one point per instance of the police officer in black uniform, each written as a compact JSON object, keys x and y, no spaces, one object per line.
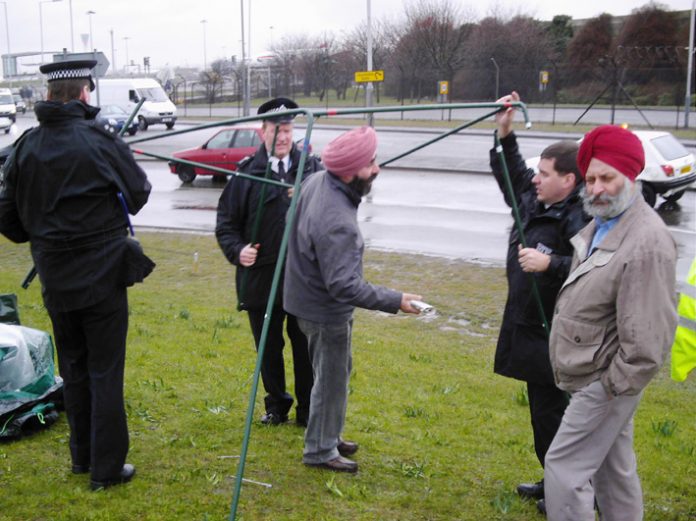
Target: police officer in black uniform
{"x":59,"y":191}
{"x":236,"y":215}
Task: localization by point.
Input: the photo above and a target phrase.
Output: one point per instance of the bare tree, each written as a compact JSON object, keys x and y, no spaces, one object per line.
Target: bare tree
{"x":438,"y":29}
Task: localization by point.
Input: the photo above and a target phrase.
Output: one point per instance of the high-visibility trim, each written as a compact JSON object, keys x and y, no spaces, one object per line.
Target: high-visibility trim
{"x":687,"y":323}
{"x":687,"y":290}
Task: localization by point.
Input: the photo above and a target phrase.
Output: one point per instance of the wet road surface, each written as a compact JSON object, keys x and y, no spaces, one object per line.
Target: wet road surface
{"x":444,"y":214}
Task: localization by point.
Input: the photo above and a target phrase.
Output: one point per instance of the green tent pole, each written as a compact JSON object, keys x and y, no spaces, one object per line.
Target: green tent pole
{"x":337,"y":112}
{"x":233,"y":173}
{"x":131,"y":117}
{"x":267,"y":318}
{"x":257,"y":219}
{"x":438,"y":138}
{"x":520,"y":228}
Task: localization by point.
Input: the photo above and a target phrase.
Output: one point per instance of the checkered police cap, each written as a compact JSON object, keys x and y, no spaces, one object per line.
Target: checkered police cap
{"x":279,"y":105}
{"x":69,"y":70}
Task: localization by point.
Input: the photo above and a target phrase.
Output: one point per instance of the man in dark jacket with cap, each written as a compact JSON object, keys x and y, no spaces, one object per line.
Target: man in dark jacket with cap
{"x":239,"y":215}
{"x":551,"y":212}
{"x":59,"y":191}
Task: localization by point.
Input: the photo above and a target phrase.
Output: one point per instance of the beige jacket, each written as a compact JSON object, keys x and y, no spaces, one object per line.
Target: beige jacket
{"x":615,"y":315}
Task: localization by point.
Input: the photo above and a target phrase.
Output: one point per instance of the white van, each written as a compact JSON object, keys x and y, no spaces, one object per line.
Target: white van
{"x":127,"y":92}
{"x":8,"y":110}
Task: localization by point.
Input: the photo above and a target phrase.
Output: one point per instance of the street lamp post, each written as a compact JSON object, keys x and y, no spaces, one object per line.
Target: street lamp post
{"x":245,"y":66}
{"x":497,"y":78}
{"x":72,"y":37}
{"x":205,"y":51}
{"x":369,"y":87}
{"x":690,"y":67}
{"x":125,"y":39}
{"x":41,"y":24}
{"x":7,"y":33}
{"x":91,"y":40}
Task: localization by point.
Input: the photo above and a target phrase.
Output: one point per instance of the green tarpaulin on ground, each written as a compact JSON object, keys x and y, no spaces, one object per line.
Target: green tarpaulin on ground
{"x":30,"y":393}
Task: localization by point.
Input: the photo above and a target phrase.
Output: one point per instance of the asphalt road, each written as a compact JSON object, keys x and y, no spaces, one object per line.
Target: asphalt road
{"x":416,"y":209}
{"x":450,"y":215}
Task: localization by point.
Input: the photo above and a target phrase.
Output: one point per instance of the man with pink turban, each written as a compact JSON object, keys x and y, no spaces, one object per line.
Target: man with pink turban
{"x":324,"y":284}
{"x":613,"y":325}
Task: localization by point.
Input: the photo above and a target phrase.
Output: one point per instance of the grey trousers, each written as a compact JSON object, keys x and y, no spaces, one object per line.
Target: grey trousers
{"x":332,"y":362}
{"x":592,"y":457}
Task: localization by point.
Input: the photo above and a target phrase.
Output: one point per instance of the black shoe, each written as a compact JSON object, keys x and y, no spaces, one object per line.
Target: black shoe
{"x":347,"y":448}
{"x":126,"y":474}
{"x":80,"y":469}
{"x":541,"y":506}
{"x":531,"y":490}
{"x":273,"y":418}
{"x":339,"y":464}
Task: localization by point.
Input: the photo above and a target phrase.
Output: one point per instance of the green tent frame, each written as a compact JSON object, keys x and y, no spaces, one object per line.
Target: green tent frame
{"x":311,"y":116}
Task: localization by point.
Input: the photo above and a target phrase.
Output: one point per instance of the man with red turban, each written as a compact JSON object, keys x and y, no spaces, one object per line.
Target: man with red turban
{"x":324,"y":284}
{"x":613,"y":325}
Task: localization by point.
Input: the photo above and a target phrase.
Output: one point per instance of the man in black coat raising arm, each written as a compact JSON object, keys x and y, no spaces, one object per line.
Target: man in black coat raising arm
{"x":551,"y":212}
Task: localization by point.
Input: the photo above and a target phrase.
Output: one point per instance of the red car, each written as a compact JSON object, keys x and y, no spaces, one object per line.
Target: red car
{"x":224,"y":150}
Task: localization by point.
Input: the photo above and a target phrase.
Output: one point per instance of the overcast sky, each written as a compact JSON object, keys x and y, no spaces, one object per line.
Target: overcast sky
{"x":171,"y":32}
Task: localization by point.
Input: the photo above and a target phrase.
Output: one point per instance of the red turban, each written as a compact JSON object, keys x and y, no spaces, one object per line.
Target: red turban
{"x":350,"y":151}
{"x":614,"y":146}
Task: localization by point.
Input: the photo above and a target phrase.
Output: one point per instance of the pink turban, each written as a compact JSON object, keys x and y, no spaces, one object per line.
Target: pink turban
{"x":350,"y":151}
{"x":614,"y":146}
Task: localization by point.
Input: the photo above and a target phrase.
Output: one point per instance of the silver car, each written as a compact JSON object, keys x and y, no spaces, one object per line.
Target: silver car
{"x":669,"y":167}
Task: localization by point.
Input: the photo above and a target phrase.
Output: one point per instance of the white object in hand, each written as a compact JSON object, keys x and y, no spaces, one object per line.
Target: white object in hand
{"x":422,"y":306}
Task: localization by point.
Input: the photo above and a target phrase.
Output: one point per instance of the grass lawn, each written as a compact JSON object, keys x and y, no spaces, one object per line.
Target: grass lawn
{"x":441,"y":437}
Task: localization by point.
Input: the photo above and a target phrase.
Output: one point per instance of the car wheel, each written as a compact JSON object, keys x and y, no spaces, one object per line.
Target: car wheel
{"x":169,"y":125}
{"x":142,"y":123}
{"x":649,"y":194}
{"x":186,"y":174}
{"x":674,"y":197}
{"x":132,"y":131}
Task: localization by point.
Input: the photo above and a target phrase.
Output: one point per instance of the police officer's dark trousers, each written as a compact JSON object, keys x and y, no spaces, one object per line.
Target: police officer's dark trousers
{"x":91,"y":346}
{"x":547,"y":403}
{"x":277,"y":399}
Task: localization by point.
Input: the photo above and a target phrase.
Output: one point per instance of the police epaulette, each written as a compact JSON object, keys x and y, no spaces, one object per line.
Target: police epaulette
{"x":245,"y":161}
{"x":102,"y":126}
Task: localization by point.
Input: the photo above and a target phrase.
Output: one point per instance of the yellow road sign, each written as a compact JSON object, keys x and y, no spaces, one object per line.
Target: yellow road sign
{"x":443,"y":87}
{"x":367,"y":76}
{"x":544,"y":77}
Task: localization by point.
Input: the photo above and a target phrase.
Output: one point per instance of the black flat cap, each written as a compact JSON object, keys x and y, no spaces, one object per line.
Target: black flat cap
{"x":70,"y":70}
{"x":279,"y":105}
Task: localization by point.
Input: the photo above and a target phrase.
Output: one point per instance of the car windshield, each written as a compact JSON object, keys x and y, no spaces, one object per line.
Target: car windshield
{"x":669,"y":147}
{"x":6,"y":99}
{"x":17,"y":97}
{"x":153,"y":94}
{"x":114,"y":109}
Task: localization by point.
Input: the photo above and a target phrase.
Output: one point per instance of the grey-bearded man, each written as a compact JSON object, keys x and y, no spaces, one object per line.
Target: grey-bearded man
{"x":613,"y":325}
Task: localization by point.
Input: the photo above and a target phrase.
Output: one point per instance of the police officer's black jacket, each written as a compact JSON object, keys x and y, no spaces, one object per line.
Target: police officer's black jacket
{"x":236,"y":213}
{"x":522,"y":350}
{"x":58,"y":189}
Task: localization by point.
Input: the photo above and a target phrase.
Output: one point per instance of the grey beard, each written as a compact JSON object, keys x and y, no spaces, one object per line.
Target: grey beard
{"x":617,"y":203}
